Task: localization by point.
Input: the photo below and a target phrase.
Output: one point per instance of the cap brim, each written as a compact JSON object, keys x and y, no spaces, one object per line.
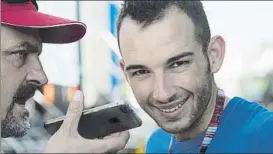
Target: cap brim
{"x":52,"y":29}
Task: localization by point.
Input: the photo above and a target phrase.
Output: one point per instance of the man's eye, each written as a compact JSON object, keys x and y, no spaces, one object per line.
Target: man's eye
{"x":18,"y":58}
{"x":20,"y":54}
{"x":179,"y":63}
{"x":140,"y":73}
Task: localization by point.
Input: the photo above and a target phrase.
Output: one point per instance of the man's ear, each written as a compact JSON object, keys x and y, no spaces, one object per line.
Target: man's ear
{"x":216,"y":53}
{"x":122,"y":66}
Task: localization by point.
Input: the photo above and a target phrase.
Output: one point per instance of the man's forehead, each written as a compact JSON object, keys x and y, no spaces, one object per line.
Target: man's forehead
{"x":167,"y":37}
{"x":172,"y":16}
{"x":12,"y":36}
{"x":175,"y":23}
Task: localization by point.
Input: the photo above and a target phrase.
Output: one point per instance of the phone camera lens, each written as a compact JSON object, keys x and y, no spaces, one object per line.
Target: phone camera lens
{"x":125,"y":109}
{"x":114,"y":120}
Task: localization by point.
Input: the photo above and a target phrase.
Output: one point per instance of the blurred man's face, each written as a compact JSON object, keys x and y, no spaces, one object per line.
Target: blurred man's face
{"x":21,"y":75}
{"x":167,"y":70}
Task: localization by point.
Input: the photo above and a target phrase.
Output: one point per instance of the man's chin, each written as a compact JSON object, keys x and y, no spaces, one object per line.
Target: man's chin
{"x":21,"y":135}
{"x":18,"y":134}
{"x":14,"y":127}
{"x":175,"y":127}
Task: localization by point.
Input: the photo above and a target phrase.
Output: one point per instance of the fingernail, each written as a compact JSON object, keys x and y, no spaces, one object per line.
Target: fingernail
{"x":77,"y":96}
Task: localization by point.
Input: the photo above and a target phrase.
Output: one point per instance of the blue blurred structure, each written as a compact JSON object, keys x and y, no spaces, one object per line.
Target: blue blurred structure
{"x":115,"y":76}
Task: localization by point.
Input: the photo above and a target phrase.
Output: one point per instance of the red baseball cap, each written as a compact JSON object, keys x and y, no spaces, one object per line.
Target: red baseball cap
{"x":24,"y":13}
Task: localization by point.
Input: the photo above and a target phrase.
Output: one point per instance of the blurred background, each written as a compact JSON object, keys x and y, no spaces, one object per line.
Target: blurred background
{"x":92,"y":64}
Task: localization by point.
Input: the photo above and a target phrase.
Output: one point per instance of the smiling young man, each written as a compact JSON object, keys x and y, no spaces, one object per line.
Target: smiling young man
{"x":23,"y":30}
{"x":169,"y":59}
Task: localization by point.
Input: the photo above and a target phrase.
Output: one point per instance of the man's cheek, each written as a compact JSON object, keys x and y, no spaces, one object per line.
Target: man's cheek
{"x":140,"y":93}
{"x":6,"y":99}
{"x":8,"y":89}
{"x":187,"y":81}
{"x":4,"y":106}
{"x":140,"y":98}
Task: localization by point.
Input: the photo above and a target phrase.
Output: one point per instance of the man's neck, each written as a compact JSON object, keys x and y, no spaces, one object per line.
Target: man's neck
{"x":203,"y":123}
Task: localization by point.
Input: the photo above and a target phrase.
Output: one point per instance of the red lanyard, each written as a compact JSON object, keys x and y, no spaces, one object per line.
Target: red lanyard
{"x":219,"y":107}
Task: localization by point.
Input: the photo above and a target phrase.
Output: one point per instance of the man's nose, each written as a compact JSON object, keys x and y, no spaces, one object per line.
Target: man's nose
{"x":36,"y":75}
{"x":163,"y":89}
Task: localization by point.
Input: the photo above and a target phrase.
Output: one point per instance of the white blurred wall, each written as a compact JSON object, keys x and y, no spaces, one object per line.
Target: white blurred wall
{"x":61,"y":61}
{"x":246,"y":27}
{"x":95,"y":53}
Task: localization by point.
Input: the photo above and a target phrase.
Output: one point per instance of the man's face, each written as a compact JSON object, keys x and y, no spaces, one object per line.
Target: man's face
{"x":21,"y":75}
{"x":167,"y":70}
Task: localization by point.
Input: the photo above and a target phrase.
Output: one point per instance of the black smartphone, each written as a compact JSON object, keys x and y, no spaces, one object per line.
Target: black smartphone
{"x":101,"y":121}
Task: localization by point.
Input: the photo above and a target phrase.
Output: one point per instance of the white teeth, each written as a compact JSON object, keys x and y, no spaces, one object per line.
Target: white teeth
{"x":172,"y":109}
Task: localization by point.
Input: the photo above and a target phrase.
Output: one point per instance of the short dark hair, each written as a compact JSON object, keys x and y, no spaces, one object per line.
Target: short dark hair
{"x":150,"y":11}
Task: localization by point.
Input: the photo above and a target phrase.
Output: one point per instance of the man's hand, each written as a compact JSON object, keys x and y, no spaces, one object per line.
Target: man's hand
{"x":68,"y":140}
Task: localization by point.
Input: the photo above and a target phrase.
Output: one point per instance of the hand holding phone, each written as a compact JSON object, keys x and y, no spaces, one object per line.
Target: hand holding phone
{"x":68,"y":140}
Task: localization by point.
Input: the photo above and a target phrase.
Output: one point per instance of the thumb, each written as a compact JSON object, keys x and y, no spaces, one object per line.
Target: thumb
{"x":74,"y":112}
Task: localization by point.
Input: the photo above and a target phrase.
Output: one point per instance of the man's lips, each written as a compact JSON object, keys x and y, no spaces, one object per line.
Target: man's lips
{"x":172,"y":111}
{"x":21,"y":100}
{"x":24,"y":92}
{"x":172,"y":104}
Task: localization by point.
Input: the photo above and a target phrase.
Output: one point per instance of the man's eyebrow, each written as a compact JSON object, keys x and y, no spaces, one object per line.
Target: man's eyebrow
{"x":132,"y":67}
{"x":177,"y":57}
{"x":32,"y":48}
